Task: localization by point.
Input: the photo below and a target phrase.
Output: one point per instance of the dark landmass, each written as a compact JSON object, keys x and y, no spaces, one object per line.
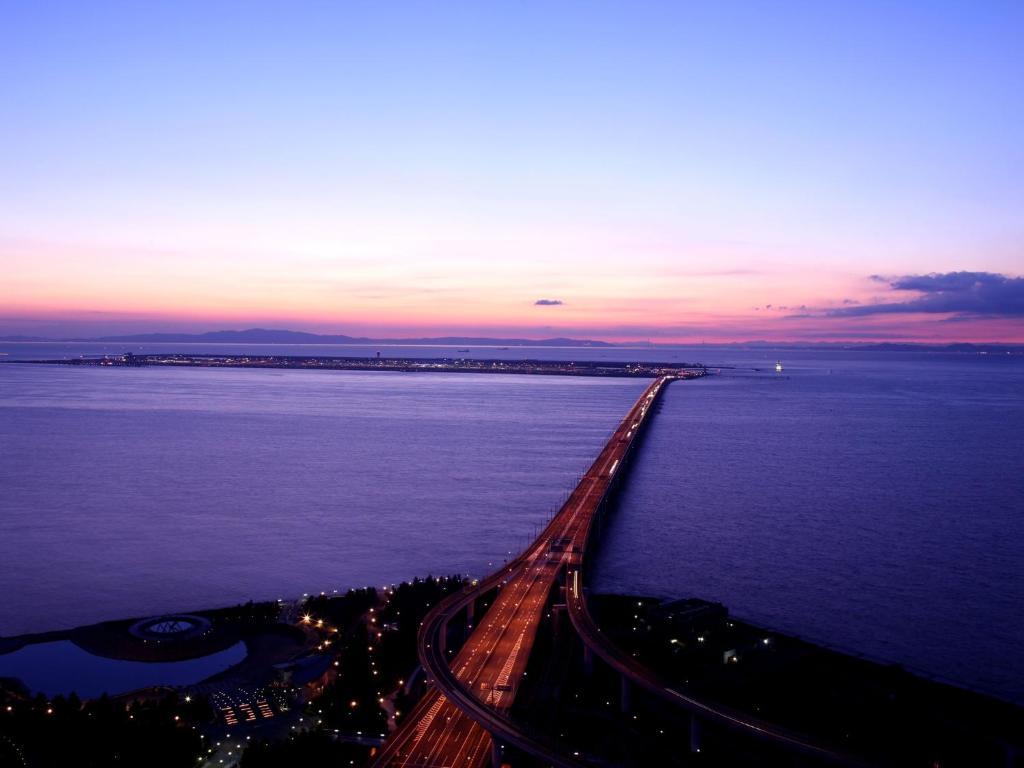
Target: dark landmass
{"x":325,"y":676}
{"x":401,"y":365}
{"x":269,"y":336}
{"x":882,"y":713}
{"x":355,"y":677}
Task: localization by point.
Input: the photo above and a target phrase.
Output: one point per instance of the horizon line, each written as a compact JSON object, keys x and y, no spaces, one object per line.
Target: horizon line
{"x":456,"y":340}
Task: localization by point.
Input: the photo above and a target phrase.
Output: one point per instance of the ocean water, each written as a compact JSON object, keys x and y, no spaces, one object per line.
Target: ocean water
{"x":870,"y":501}
{"x":875,"y":506}
{"x":135,"y":491}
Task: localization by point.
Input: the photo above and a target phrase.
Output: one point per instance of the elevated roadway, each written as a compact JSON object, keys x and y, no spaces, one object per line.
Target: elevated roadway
{"x":463,"y":719}
{"x":473,"y":692}
{"x":632,"y":672}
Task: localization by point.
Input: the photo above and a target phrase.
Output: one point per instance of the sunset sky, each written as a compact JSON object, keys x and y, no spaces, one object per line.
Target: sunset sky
{"x":621,"y":171}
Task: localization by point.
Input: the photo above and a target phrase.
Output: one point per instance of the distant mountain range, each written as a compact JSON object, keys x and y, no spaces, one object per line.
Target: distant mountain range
{"x":270,"y":336}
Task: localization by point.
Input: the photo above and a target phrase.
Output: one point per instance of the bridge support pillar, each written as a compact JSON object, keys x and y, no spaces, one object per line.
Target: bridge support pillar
{"x":558,"y":619}
{"x":470,"y":612}
{"x":495,"y":753}
{"x":588,"y":661}
{"x":442,"y":638}
{"x":694,"y":734}
{"x":625,"y":695}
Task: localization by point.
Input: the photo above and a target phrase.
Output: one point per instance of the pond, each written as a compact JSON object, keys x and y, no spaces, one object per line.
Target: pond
{"x":61,"y":667}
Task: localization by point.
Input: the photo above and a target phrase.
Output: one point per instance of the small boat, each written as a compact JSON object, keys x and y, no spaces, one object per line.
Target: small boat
{"x":778,"y":367}
{"x":462,"y":350}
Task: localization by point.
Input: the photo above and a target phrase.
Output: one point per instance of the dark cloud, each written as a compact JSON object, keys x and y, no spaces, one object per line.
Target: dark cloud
{"x":967,"y":294}
{"x":548,"y":303}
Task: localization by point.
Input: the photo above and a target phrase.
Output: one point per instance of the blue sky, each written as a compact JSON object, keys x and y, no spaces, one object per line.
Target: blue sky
{"x":440,"y":166}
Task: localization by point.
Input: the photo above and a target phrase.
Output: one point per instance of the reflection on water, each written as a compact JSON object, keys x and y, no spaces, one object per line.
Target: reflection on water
{"x":61,"y":667}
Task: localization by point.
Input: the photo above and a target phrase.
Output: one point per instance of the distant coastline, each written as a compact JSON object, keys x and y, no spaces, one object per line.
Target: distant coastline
{"x":270,"y":336}
{"x":288,"y":337}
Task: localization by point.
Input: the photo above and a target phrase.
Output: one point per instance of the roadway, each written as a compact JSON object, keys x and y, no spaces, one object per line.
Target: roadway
{"x":472,"y":693}
{"x":635,"y":673}
{"x":480,"y":683}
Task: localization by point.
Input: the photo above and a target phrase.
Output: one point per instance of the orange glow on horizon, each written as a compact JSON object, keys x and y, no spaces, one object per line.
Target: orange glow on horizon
{"x":658,"y":300}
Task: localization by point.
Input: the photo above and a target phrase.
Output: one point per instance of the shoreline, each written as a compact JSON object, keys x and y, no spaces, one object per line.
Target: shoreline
{"x":599,"y":369}
{"x":98,"y":634}
{"x":323,"y":655}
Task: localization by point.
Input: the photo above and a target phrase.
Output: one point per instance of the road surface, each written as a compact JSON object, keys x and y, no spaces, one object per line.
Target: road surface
{"x":487,"y":671}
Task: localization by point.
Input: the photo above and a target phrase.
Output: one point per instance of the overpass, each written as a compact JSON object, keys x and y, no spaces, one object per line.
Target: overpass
{"x":463,"y":720}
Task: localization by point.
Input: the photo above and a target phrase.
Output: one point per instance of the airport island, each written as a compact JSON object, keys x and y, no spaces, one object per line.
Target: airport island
{"x":521,"y":667}
{"x":395,"y":364}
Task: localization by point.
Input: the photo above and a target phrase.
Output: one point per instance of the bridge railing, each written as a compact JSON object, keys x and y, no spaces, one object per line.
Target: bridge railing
{"x":623,"y":663}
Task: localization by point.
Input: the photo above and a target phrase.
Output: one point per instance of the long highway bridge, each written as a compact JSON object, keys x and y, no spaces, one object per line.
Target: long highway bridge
{"x":463,"y":720}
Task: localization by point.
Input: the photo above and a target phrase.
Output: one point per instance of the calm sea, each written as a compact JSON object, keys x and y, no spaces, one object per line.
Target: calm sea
{"x":870,"y":501}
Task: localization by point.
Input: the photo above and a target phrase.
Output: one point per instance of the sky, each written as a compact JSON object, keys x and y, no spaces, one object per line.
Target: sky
{"x":623,"y":171}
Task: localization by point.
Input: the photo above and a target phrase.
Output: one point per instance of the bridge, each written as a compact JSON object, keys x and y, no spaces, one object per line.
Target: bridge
{"x":463,"y":720}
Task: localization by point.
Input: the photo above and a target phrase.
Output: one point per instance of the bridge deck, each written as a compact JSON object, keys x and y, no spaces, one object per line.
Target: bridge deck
{"x":492,"y":661}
